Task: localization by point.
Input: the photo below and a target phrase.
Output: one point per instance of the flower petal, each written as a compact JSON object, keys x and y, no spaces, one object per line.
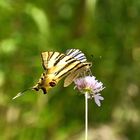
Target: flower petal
{"x":97,"y":99}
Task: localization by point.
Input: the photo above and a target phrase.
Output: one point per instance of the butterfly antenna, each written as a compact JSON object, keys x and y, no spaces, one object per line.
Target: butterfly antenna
{"x":22,"y":93}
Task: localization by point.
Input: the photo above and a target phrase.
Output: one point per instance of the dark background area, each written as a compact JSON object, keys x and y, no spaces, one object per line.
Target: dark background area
{"x":107,"y":31}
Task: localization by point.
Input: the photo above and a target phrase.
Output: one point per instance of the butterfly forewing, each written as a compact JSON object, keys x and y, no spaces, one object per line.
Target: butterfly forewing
{"x":49,"y":59}
{"x":77,"y":54}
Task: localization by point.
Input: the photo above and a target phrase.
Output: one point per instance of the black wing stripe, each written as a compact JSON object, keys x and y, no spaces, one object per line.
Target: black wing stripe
{"x":61,"y":76}
{"x":48,"y":56}
{"x":66,"y":66}
{"x":70,"y":51}
{"x":51,"y":55}
{"x":78,"y":53}
{"x":69,"y":59}
{"x":74,"y":52}
{"x":58,"y":56}
{"x":59,"y":59}
{"x":82,"y":66}
{"x":65,"y":73}
{"x":81,"y":58}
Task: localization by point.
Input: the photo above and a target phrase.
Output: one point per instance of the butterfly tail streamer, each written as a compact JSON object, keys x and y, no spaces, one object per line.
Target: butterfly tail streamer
{"x":21,"y":93}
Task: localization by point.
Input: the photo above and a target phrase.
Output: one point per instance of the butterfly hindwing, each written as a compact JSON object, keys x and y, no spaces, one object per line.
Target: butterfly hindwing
{"x":70,"y":78}
{"x":84,"y":67}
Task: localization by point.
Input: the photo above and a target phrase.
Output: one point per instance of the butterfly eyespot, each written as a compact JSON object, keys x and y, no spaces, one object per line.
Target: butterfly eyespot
{"x":52,"y":84}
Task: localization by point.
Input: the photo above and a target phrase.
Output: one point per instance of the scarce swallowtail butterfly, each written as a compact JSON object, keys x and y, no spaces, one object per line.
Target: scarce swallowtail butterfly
{"x":59,"y":65}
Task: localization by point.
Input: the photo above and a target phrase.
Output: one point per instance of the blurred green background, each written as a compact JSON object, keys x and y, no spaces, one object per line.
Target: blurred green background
{"x":107,"y":31}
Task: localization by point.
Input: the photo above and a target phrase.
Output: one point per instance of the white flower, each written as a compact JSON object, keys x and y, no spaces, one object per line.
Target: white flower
{"x":90,"y":85}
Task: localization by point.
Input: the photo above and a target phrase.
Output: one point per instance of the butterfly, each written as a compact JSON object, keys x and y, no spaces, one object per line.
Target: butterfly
{"x":59,"y":65}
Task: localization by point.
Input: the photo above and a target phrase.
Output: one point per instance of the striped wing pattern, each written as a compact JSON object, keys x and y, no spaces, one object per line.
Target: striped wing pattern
{"x":70,"y":64}
{"x":77,"y":54}
{"x":72,"y":76}
{"x":50,"y":59}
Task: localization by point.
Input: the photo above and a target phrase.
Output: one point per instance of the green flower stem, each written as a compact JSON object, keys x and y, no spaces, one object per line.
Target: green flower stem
{"x":86,"y":116}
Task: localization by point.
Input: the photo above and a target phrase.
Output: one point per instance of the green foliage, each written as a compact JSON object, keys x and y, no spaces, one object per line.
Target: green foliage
{"x":106,"y":31}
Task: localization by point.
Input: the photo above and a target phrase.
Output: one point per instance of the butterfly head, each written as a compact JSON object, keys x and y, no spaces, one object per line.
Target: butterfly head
{"x":45,"y":83}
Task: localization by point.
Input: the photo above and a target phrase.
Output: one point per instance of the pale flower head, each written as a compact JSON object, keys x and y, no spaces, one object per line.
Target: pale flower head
{"x":90,"y":85}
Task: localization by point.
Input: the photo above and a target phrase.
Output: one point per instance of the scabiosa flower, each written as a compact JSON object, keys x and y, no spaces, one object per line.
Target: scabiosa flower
{"x":90,"y":85}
